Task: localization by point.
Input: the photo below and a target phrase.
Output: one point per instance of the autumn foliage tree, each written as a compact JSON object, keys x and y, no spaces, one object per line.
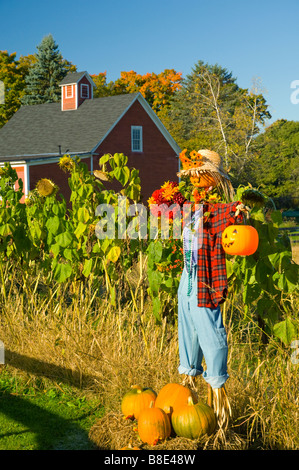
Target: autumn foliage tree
{"x":12,"y":73}
{"x":157,"y":89}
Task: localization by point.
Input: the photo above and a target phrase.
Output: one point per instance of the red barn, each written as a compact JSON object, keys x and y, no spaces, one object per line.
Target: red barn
{"x":36,"y":137}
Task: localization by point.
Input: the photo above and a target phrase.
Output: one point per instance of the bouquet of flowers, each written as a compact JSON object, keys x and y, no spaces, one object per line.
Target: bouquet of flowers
{"x":163,"y":198}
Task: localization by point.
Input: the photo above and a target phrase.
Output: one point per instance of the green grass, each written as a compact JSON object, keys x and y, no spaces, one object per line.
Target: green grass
{"x":34,"y":418}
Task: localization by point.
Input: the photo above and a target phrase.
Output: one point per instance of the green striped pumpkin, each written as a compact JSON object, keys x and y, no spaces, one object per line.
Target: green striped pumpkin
{"x":193,"y":420}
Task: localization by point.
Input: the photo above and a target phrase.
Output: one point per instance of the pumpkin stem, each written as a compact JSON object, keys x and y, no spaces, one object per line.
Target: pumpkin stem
{"x":137,"y":387}
{"x":190,"y":401}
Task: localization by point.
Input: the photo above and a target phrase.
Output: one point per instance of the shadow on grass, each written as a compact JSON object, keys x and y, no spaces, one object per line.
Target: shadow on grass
{"x":46,"y":369}
{"x":31,"y":424}
{"x":40,"y":429}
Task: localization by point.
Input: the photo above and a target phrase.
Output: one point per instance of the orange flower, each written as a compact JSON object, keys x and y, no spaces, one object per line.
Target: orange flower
{"x":194,"y":154}
{"x":151,"y":200}
{"x":169,"y":190}
{"x":193,"y":162}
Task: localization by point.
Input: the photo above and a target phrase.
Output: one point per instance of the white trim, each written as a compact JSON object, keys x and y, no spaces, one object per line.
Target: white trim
{"x":137,"y":128}
{"x":27,"y":180}
{"x":64,"y":97}
{"x":13,"y":163}
{"x":26,"y":157}
{"x":46,"y":161}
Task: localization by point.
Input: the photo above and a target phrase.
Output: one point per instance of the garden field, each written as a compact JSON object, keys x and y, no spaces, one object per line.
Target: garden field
{"x":83,"y":319}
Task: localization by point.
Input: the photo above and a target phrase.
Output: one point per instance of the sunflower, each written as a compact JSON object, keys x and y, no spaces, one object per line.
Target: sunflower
{"x":66,"y":163}
{"x":45,"y":187}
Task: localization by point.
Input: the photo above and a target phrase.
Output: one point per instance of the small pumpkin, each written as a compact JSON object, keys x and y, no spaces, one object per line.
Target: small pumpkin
{"x":203,"y":181}
{"x":193,"y":420}
{"x":130,"y":447}
{"x":172,"y":396}
{"x":153,"y":425}
{"x":135,"y":400}
{"x":240,"y":240}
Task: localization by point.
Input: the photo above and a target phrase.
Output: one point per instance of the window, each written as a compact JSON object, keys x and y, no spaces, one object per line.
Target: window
{"x":84,"y":90}
{"x":136,"y":138}
{"x":69,"y":91}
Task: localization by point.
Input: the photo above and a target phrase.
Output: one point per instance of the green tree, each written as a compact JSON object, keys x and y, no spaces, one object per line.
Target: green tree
{"x":211,"y":110}
{"x":276,"y":167}
{"x":44,"y":76}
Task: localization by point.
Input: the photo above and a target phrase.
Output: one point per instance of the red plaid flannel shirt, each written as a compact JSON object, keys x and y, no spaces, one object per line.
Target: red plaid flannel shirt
{"x":211,"y":264}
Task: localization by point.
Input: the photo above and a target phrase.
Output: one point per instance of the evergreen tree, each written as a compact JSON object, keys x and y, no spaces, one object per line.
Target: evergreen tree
{"x":42,"y":81}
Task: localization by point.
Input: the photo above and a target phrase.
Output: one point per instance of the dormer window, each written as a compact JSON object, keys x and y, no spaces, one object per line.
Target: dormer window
{"x":76,"y":87}
{"x":84,"y":91}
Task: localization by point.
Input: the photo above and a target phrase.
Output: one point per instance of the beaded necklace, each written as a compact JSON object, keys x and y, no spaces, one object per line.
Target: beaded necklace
{"x":187,"y":254}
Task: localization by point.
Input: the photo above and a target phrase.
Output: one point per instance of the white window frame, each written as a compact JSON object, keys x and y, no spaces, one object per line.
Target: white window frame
{"x":140,"y":148}
{"x":66,"y":94}
{"x":81,"y":89}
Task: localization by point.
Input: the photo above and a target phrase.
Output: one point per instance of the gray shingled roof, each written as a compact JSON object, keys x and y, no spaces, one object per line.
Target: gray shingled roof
{"x":41,"y":129}
{"x":73,"y":77}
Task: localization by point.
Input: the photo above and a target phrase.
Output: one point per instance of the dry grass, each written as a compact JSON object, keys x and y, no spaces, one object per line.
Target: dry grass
{"x":295,"y":252}
{"x":81,"y":340}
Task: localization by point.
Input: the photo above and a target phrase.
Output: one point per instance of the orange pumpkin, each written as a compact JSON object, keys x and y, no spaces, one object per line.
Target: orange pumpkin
{"x":153,"y":425}
{"x":202,"y":181}
{"x":136,"y":400}
{"x":193,"y":420}
{"x":240,"y":240}
{"x":172,"y":396}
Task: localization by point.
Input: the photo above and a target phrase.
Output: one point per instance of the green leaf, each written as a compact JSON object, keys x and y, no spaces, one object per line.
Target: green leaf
{"x":62,"y":272}
{"x":64,"y":239}
{"x":122,"y":174}
{"x":68,"y":254}
{"x":52,"y":224}
{"x":285,"y":331}
{"x":156,"y":251}
{"x":81,"y":227}
{"x":6,"y":229}
{"x":156,"y":308}
{"x":87,"y":267}
{"x":104,"y":159}
{"x":114,"y":254}
{"x":276,"y":216}
{"x":120,"y":159}
{"x":229,"y":268}
{"x":55,"y":249}
{"x":83,"y":215}
{"x":251,"y":293}
{"x":155,"y":280}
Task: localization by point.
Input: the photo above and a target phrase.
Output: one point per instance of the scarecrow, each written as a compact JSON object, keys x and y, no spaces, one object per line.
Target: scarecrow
{"x":203,"y":284}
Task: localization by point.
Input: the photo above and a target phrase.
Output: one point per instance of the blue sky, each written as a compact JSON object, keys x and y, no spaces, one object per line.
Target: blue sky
{"x":250,"y":38}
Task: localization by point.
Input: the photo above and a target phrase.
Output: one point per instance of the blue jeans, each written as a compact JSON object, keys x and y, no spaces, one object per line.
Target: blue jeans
{"x":201,"y":334}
